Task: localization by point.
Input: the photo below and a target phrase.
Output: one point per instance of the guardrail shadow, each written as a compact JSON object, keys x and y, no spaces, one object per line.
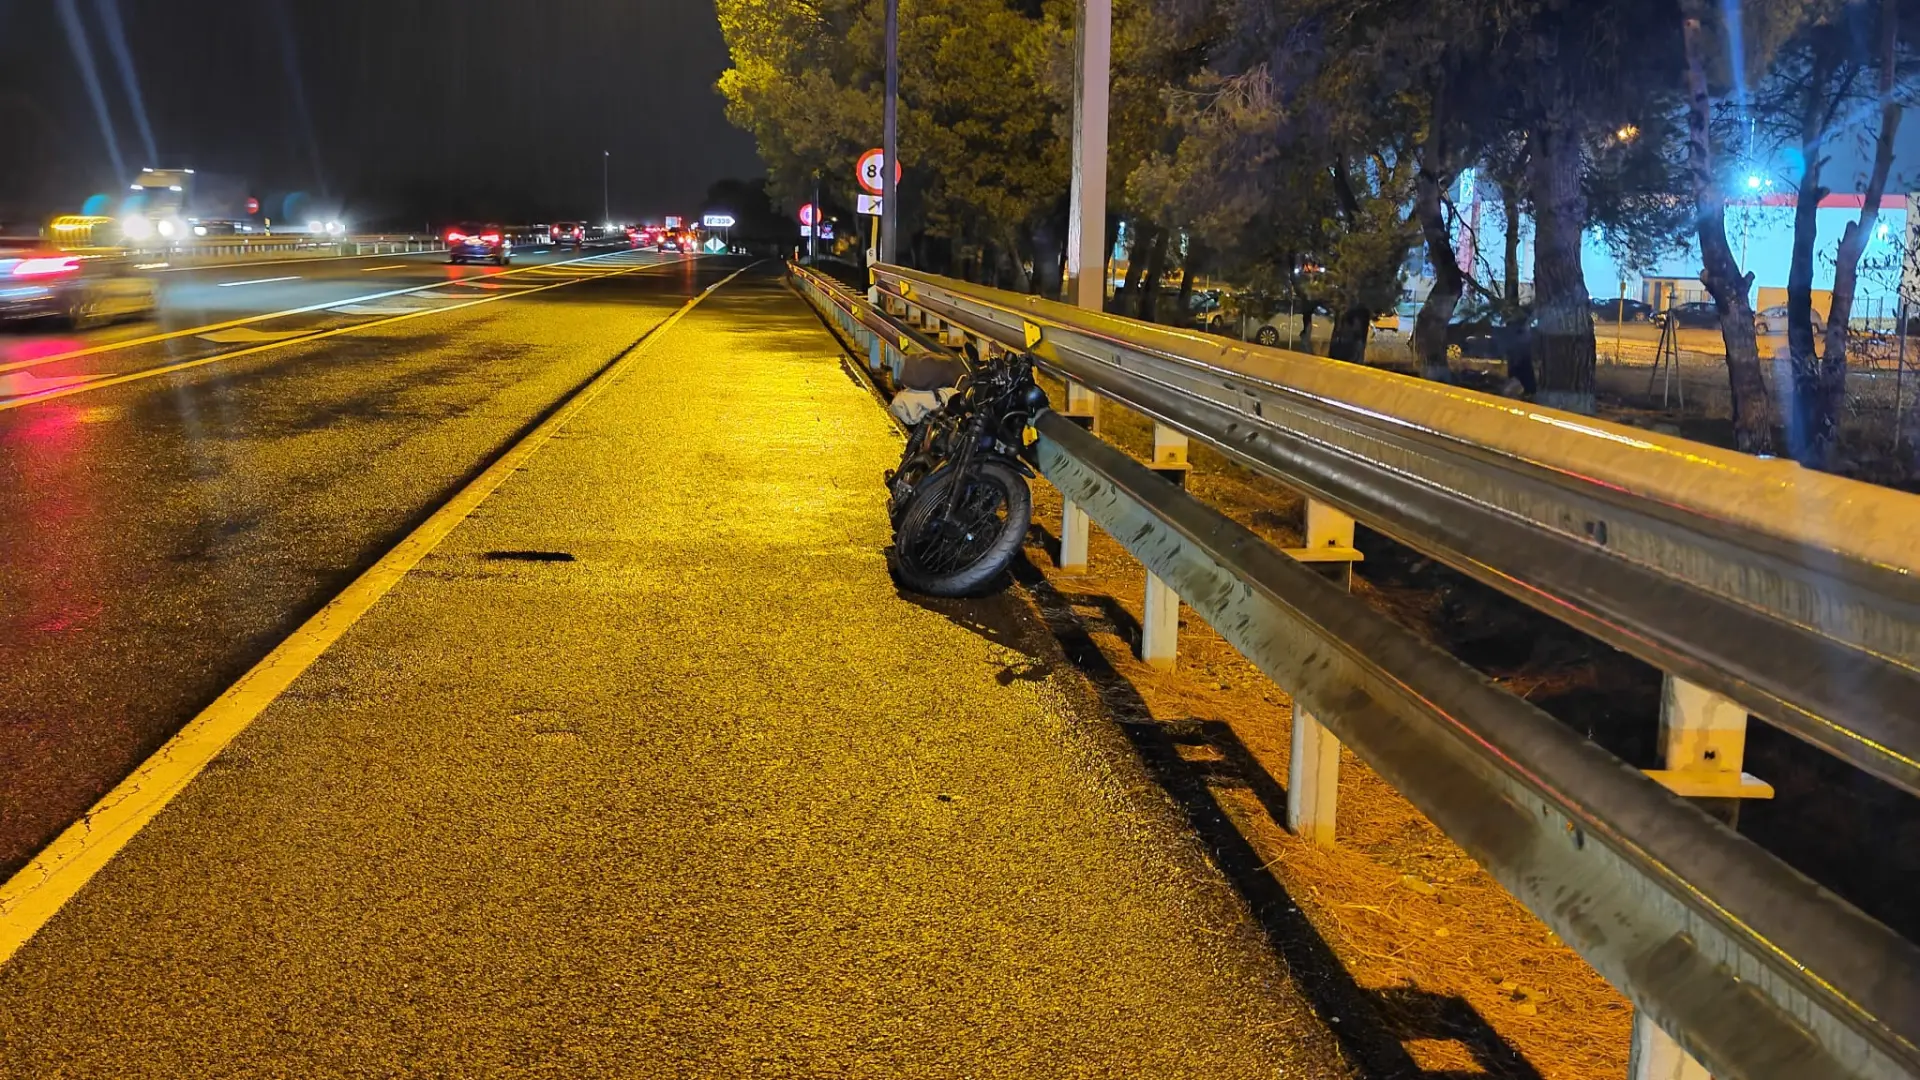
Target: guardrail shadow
{"x":1374,"y":1025}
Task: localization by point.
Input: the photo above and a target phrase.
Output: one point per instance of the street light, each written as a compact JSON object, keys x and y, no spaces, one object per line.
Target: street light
{"x":606,"y":213}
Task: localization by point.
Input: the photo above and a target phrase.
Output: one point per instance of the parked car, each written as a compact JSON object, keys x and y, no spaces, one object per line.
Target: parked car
{"x":471,"y":241}
{"x":1618,"y":310}
{"x":1286,"y":326}
{"x":1773,"y":320}
{"x":1697,"y":313}
{"x":83,"y":286}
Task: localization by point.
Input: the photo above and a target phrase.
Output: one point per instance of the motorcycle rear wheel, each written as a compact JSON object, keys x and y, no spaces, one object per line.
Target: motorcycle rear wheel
{"x":967,"y":554}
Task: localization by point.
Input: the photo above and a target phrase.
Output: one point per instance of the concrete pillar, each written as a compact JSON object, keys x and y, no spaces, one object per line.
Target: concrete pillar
{"x":1084,"y":404}
{"x":1313,"y":766}
{"x":1655,"y":1056}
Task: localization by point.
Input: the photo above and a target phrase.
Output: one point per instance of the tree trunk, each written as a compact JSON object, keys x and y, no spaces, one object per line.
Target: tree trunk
{"x":1801,"y":358}
{"x":1562,"y":339}
{"x":1349,"y":341}
{"x":1048,"y":264}
{"x":1752,"y":412}
{"x":1150,"y":281}
{"x":1430,"y":326}
{"x":1831,"y":389}
{"x":1137,"y":261}
{"x":1510,"y":284}
{"x":1013,"y":266}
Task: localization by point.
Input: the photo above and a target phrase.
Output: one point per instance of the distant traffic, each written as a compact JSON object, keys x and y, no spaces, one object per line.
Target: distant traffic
{"x":87,"y":269}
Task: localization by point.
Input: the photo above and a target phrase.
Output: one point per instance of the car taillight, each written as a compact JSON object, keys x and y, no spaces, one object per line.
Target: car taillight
{"x":45,"y":267}
{"x":490,"y":238}
{"x":456,"y":237}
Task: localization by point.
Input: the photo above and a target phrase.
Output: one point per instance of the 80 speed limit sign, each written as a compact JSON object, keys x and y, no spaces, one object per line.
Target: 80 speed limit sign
{"x":868,"y":170}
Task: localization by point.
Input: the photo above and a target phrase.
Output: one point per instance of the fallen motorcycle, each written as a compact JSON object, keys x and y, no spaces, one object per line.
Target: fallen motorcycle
{"x":959,"y":501}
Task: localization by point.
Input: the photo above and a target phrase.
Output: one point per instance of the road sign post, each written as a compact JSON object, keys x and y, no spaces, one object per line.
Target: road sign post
{"x":890,"y":215}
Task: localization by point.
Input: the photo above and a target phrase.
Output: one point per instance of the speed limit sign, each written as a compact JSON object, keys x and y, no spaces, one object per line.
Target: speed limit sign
{"x":868,"y":170}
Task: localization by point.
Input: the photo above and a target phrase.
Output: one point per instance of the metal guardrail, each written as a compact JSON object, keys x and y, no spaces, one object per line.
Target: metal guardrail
{"x":1753,"y":968}
{"x":1794,"y":593}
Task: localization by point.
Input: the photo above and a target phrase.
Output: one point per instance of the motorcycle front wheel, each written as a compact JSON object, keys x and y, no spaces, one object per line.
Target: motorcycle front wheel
{"x":961,"y":554}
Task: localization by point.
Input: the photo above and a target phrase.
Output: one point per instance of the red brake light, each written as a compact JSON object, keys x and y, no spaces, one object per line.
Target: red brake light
{"x":455,"y":237}
{"x":45,"y":267}
{"x":490,"y":238}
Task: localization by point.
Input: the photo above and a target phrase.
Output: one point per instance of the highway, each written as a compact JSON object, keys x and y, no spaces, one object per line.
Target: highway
{"x":176,"y":494}
{"x":636,"y":766}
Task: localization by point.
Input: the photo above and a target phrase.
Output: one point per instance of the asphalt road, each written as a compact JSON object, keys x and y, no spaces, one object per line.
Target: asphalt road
{"x":647,"y":771}
{"x":163,"y":525}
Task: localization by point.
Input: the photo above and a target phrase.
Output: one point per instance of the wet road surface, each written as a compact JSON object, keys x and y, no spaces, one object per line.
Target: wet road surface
{"x":161,"y":534}
{"x":648,"y":771}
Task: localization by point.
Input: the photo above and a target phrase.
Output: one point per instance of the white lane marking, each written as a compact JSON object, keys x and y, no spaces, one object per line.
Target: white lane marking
{"x":163,"y":268}
{"x":247,"y":335}
{"x":256,"y":281}
{"x":114,"y":346}
{"x":389,"y":266}
{"x":320,"y":335}
{"x":38,"y":891}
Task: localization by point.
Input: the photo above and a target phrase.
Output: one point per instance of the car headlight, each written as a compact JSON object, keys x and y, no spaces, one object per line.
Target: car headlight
{"x":136,"y":227}
{"x":168,"y":229}
{"x":334,"y":227}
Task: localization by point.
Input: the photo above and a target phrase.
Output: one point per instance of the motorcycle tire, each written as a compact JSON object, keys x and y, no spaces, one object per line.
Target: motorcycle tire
{"x":967,"y":565}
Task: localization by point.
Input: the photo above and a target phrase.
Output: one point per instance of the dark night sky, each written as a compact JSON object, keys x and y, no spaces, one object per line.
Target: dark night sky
{"x":390,"y":108}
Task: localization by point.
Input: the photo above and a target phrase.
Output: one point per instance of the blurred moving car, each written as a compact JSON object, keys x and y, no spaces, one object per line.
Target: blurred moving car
{"x":568,"y":232}
{"x":1618,"y":310}
{"x":471,"y":241}
{"x":84,"y":286}
{"x":1773,"y":320}
{"x":1698,"y":313}
{"x":670,"y":242}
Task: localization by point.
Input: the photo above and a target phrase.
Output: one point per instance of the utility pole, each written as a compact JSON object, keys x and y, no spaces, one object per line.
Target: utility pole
{"x":890,"y":144}
{"x":1087,"y":233}
{"x":606,"y":204}
{"x":1087,"y":212}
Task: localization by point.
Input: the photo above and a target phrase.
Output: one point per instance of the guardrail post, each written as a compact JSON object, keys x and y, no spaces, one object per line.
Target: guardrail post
{"x":1160,"y":609}
{"x":1313,"y":762}
{"x":1083,"y":406}
{"x":1703,"y":744}
{"x":1655,"y":1056}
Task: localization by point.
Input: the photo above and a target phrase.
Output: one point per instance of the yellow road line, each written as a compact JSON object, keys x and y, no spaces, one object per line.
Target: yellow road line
{"x":389,"y":266}
{"x":168,"y":369}
{"x":169,"y":335}
{"x":34,"y":895}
